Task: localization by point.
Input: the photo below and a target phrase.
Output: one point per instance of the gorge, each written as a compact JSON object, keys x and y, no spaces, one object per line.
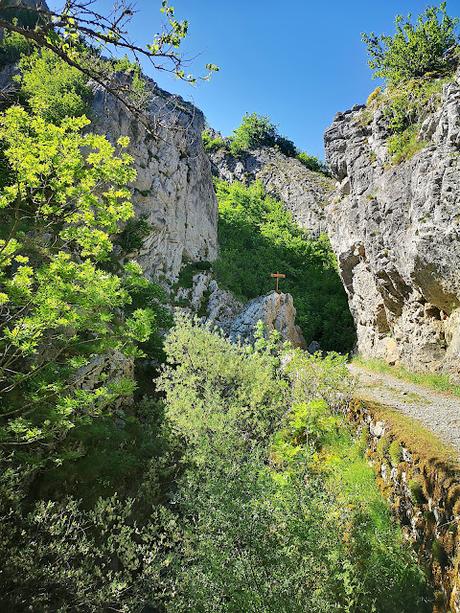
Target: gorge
{"x":175,"y":433}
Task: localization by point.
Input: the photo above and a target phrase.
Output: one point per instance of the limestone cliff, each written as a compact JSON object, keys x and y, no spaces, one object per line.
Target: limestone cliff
{"x":395,"y":230}
{"x":303,"y":192}
{"x":173,"y":190}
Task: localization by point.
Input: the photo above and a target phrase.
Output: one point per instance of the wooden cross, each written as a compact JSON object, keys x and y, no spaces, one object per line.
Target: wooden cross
{"x":277,"y":276}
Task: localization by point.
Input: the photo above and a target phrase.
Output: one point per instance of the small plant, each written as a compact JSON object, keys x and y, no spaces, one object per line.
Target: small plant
{"x":439,"y":553}
{"x":382,"y":447}
{"x":311,"y":162}
{"x":374,"y":96}
{"x":211,"y":144}
{"x":405,"y":145}
{"x":416,"y":491}
{"x":12,"y":47}
{"x":133,"y":235}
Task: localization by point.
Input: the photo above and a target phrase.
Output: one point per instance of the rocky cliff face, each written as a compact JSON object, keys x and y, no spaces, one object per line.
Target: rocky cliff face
{"x":174,"y":188}
{"x":303,"y":192}
{"x":395,"y":231}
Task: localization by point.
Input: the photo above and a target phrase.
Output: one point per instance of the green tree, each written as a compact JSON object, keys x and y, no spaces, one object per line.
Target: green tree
{"x":254,"y":131}
{"x":428,"y":46}
{"x":63,"y":198}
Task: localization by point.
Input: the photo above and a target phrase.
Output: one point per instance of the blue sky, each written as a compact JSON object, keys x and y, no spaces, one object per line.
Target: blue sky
{"x":298,"y":62}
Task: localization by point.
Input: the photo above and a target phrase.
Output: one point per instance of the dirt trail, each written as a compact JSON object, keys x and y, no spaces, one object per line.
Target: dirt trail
{"x":439,"y":413}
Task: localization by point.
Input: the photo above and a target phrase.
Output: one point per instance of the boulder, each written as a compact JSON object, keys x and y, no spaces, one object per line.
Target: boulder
{"x":238,"y":321}
{"x":275,"y":311}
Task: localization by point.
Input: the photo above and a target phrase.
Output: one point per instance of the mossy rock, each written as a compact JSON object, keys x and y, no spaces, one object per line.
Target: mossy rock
{"x":439,"y":553}
{"x":416,"y":491}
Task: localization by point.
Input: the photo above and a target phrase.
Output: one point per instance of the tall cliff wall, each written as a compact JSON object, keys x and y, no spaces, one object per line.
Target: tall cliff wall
{"x":395,"y":230}
{"x":174,"y":188}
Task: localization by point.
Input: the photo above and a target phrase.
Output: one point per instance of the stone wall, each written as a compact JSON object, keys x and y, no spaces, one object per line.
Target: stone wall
{"x":395,"y":230}
{"x":421,"y":481}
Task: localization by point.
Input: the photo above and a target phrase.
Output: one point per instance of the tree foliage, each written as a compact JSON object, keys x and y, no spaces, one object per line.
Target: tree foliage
{"x":416,"y":49}
{"x":82,"y":36}
{"x":261,"y":529}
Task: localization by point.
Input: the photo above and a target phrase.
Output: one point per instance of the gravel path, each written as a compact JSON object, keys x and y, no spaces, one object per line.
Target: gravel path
{"x":439,"y":413}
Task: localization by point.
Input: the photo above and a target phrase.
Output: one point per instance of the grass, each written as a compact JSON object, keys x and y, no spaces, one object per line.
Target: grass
{"x":436,"y":381}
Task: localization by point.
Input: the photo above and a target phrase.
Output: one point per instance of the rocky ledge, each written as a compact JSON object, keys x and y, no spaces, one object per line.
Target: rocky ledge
{"x":395,"y":230}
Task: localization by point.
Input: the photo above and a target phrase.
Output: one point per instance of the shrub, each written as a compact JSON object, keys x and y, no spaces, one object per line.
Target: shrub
{"x":211,"y":144}
{"x":311,"y":162}
{"x":52,"y":88}
{"x":12,"y":47}
{"x":286,"y":146}
{"x":402,"y":146}
{"x":276,"y":504}
{"x":416,"y":490}
{"x":407,"y":103}
{"x":254,"y":131}
{"x":133,"y":234}
{"x":415,"y":49}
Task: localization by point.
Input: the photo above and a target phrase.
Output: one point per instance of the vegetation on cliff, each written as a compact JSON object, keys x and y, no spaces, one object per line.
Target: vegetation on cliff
{"x":416,"y":62}
{"x":258,"y":131}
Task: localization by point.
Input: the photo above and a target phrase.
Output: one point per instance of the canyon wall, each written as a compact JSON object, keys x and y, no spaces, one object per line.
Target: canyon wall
{"x":303,"y":192}
{"x":395,"y":230}
{"x":173,"y":190}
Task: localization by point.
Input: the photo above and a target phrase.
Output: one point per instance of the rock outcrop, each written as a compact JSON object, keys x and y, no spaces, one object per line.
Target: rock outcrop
{"x":111,"y":367}
{"x":303,"y":192}
{"x":276,"y":312}
{"x":173,"y":190}
{"x":238,"y":321}
{"x":395,"y":230}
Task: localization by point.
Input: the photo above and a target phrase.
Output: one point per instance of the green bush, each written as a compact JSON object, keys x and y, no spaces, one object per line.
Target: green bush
{"x":12,"y":47}
{"x":134,"y":233}
{"x":258,"y":131}
{"x":279,"y":511}
{"x":402,"y":146}
{"x":257,"y":237}
{"x":254,"y":131}
{"x":212,"y":144}
{"x":415,"y":49}
{"x":311,"y":162}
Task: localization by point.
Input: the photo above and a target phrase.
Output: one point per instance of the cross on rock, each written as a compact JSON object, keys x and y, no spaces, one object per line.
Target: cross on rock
{"x":277,"y":276}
